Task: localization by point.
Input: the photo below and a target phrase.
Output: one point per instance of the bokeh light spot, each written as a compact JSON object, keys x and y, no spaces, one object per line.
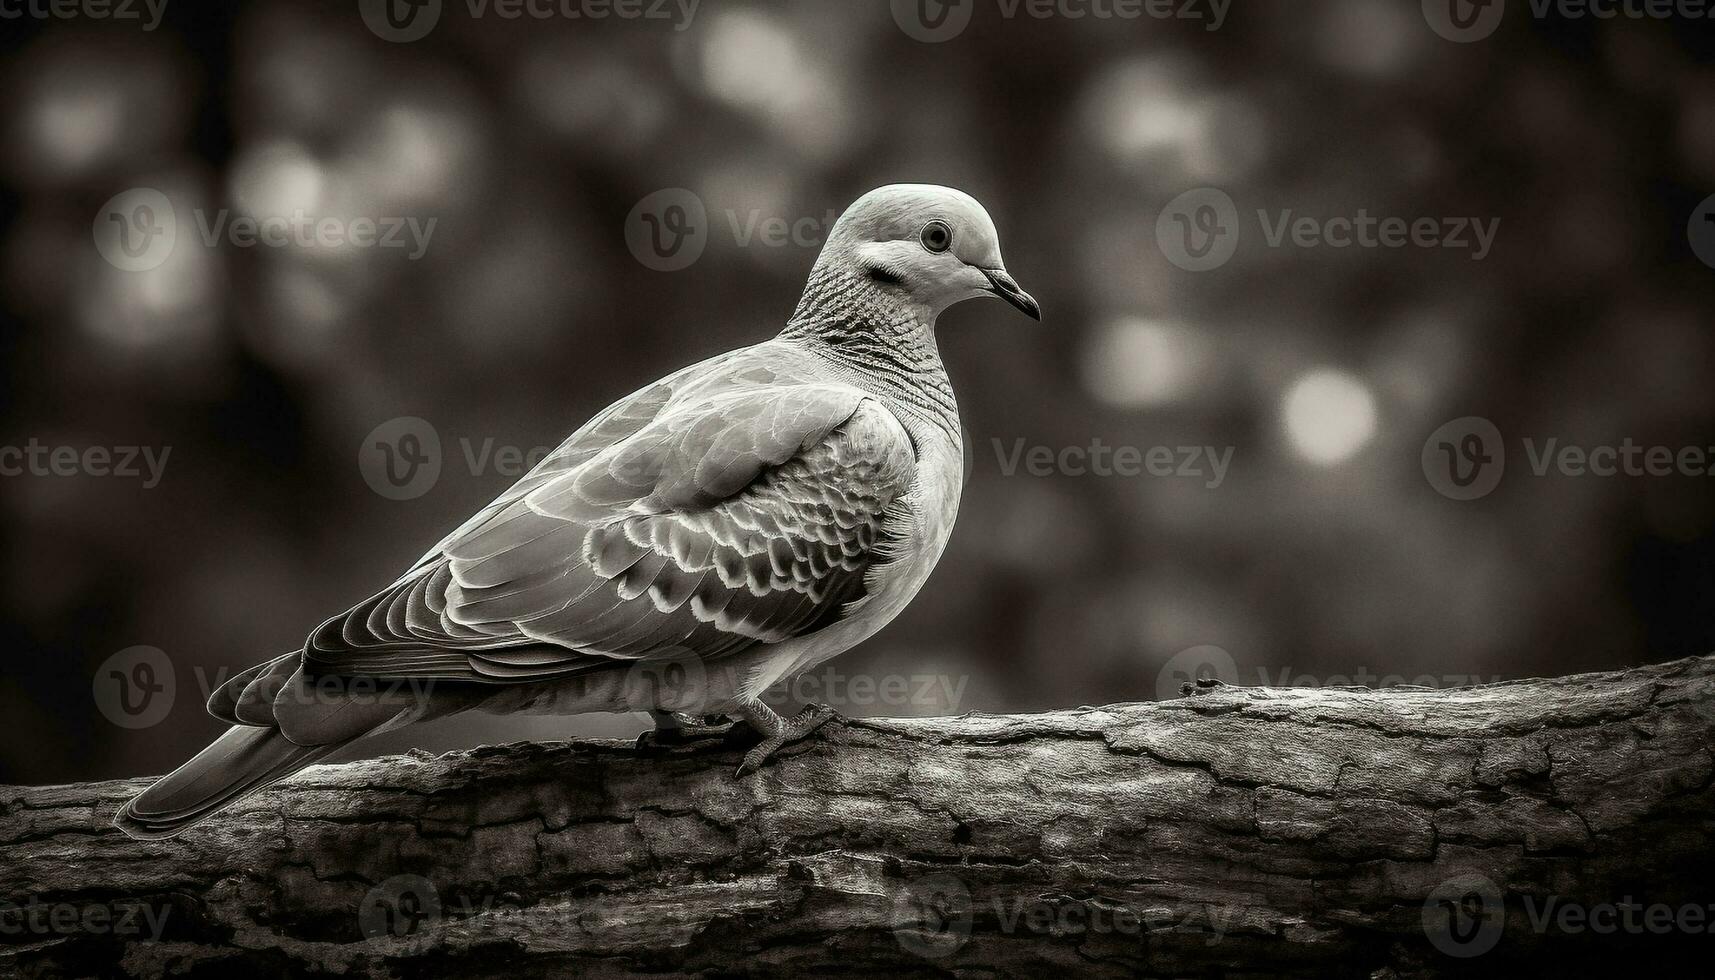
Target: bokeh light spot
{"x":276,"y":180}
{"x":75,"y":128}
{"x":750,"y":60}
{"x":1135,"y":363}
{"x":1329,"y":416}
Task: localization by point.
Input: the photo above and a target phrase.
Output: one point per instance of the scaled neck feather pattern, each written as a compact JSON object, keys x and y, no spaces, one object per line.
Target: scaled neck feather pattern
{"x":885,"y":345}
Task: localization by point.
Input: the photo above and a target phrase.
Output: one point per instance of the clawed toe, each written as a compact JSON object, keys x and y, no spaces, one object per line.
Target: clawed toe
{"x":676,"y":730}
{"x":659,"y":738}
{"x":807,"y":721}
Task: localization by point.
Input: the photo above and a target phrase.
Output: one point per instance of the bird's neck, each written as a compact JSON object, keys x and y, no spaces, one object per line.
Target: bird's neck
{"x":883,"y":344}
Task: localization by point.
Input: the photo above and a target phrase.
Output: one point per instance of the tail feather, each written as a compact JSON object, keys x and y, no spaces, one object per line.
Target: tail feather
{"x":255,"y":704}
{"x":239,"y":763}
{"x":223,"y":703}
{"x":282,"y":722}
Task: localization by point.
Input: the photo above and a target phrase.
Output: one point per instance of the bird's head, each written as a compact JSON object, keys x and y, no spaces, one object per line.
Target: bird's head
{"x":931,"y":246}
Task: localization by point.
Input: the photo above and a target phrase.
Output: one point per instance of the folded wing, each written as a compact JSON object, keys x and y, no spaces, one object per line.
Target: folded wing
{"x":703,"y":516}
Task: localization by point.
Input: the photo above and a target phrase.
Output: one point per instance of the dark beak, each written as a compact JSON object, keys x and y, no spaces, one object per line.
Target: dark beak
{"x":1006,"y":289}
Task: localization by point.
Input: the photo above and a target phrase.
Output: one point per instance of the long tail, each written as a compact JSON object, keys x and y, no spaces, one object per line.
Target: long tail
{"x":281,"y":723}
{"x":239,"y":763}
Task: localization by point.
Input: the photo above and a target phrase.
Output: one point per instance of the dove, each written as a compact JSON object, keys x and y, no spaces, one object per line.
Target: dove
{"x":733,"y":524}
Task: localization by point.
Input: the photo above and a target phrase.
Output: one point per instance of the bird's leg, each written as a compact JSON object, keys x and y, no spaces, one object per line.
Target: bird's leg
{"x":677,"y":728}
{"x":776,"y":731}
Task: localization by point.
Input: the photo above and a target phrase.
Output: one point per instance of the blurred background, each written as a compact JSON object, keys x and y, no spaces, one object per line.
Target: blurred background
{"x":1324,"y":552}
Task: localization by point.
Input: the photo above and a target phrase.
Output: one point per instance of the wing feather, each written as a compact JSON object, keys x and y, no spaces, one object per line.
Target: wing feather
{"x":739,"y":502}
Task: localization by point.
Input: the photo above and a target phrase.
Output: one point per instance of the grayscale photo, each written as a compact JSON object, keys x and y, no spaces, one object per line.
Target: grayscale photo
{"x":860,"y":488}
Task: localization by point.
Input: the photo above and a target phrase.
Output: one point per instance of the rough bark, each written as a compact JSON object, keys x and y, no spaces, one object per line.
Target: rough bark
{"x":1238,"y":830}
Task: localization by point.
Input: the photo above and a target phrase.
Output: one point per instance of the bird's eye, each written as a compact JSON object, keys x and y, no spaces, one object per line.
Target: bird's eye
{"x":937,"y":237}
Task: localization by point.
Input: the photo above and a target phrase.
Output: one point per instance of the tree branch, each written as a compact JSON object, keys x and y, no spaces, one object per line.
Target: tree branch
{"x":1273,"y":831}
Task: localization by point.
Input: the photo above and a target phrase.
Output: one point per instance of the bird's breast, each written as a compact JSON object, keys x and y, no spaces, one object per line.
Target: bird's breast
{"x":916,"y":529}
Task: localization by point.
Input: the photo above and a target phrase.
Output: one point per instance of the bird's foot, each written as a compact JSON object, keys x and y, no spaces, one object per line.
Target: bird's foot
{"x":777,"y":732}
{"x":673,"y":728}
